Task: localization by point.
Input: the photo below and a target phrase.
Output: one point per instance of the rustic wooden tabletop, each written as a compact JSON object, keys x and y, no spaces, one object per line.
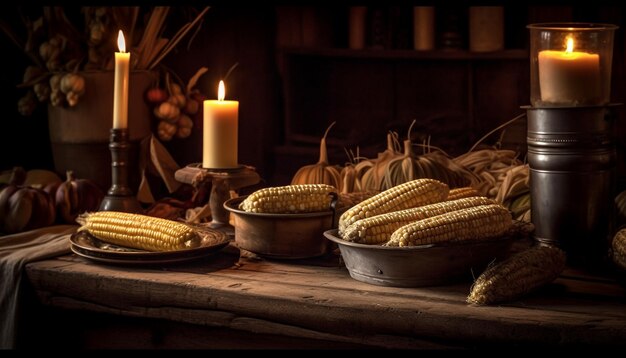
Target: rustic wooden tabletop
{"x":316,"y":300}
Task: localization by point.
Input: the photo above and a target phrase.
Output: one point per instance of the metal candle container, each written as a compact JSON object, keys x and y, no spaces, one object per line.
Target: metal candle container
{"x":571,"y":149}
{"x":572,"y":160}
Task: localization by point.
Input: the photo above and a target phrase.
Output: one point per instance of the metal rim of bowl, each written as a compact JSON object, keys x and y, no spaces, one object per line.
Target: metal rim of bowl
{"x":232,"y":206}
{"x":333,"y":236}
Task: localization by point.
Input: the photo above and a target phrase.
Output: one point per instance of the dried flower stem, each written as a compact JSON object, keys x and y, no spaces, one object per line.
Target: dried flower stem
{"x":176,"y":39}
{"x":155,"y":24}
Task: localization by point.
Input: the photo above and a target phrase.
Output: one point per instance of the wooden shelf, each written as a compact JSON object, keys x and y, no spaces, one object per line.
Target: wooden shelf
{"x":458,"y":55}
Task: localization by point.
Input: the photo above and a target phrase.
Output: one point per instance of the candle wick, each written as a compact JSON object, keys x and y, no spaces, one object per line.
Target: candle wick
{"x":570,"y":46}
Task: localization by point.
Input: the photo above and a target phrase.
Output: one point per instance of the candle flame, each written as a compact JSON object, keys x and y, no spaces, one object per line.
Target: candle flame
{"x":570,"y":45}
{"x":221,"y":91}
{"x":121,"y":44}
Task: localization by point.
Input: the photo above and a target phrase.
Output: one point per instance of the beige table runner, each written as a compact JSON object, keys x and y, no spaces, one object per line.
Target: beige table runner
{"x":16,"y":251}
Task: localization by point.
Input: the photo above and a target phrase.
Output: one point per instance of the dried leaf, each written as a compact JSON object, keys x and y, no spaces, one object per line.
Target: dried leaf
{"x":155,"y":24}
{"x":194,"y":79}
{"x":144,"y":193}
{"x":164,"y":164}
{"x":179,"y":35}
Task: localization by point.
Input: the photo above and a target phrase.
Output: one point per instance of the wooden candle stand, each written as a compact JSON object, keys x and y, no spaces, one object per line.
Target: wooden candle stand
{"x":221,"y":181}
{"x":120,"y":197}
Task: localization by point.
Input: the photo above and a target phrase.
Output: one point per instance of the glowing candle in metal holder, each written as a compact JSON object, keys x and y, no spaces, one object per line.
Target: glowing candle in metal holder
{"x":570,"y":64}
{"x":570,"y":138}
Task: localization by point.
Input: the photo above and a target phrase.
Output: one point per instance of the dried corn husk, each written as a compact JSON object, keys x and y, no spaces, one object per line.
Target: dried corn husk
{"x":491,"y":165}
{"x":350,"y":182}
{"x":457,"y":175}
{"x":373,"y":178}
{"x":434,"y":169}
{"x":401,"y":169}
{"x":514,"y":192}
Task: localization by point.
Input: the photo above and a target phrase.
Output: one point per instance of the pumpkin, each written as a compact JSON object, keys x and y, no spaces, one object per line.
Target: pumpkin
{"x":76,"y":196}
{"x":321,"y":172}
{"x":24,"y":208}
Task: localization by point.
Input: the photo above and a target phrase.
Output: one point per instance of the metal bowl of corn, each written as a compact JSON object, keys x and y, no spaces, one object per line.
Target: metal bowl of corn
{"x":281,"y":236}
{"x":424,"y":265}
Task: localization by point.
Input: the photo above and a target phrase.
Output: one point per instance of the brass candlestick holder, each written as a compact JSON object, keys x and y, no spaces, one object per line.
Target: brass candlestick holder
{"x":120,"y":197}
{"x":221,"y":182}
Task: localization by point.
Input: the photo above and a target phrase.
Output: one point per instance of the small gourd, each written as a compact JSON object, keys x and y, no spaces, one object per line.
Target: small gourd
{"x":73,"y":82}
{"x":321,"y":172}
{"x":167,"y":111}
{"x":184,"y":126}
{"x":23,"y":207}
{"x":156,"y":95}
{"x":166,"y":130}
{"x":76,"y":196}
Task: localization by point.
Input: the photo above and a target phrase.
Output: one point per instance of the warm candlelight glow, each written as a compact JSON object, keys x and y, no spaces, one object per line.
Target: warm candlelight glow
{"x":570,"y":64}
{"x":121,"y":44}
{"x":570,"y":46}
{"x":569,"y":77}
{"x":221,"y":91}
{"x":120,"y":84}
{"x":219,"y":148}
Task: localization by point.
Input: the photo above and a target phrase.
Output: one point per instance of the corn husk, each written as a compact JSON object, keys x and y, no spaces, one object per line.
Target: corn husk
{"x":373,"y":179}
{"x":401,"y":169}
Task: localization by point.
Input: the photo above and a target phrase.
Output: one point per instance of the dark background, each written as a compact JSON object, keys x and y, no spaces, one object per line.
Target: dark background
{"x":295,"y":77}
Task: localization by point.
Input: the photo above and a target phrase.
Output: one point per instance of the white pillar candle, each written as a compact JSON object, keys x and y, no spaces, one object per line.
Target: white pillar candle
{"x":219,"y":148}
{"x":569,"y":77}
{"x":120,"y":85}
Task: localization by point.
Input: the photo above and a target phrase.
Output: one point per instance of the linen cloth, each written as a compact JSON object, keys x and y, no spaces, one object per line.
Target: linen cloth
{"x":16,"y":251}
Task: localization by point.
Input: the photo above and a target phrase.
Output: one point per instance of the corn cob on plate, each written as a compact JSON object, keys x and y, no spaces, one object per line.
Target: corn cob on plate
{"x":94,"y":242}
{"x":424,"y":265}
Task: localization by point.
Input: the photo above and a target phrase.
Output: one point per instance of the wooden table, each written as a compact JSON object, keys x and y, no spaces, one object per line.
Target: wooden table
{"x":228,"y":301}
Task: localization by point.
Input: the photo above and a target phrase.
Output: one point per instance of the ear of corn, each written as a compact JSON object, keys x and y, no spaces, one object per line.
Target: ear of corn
{"x":407,"y":195}
{"x":378,"y":229}
{"x":474,"y":223}
{"x":462,"y":192}
{"x":619,"y":248}
{"x":139,"y":231}
{"x":303,"y":198}
{"x":518,"y":275}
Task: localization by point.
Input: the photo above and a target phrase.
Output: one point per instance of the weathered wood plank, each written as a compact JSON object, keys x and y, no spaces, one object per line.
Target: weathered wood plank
{"x":325,"y":299}
{"x":244,"y":324}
